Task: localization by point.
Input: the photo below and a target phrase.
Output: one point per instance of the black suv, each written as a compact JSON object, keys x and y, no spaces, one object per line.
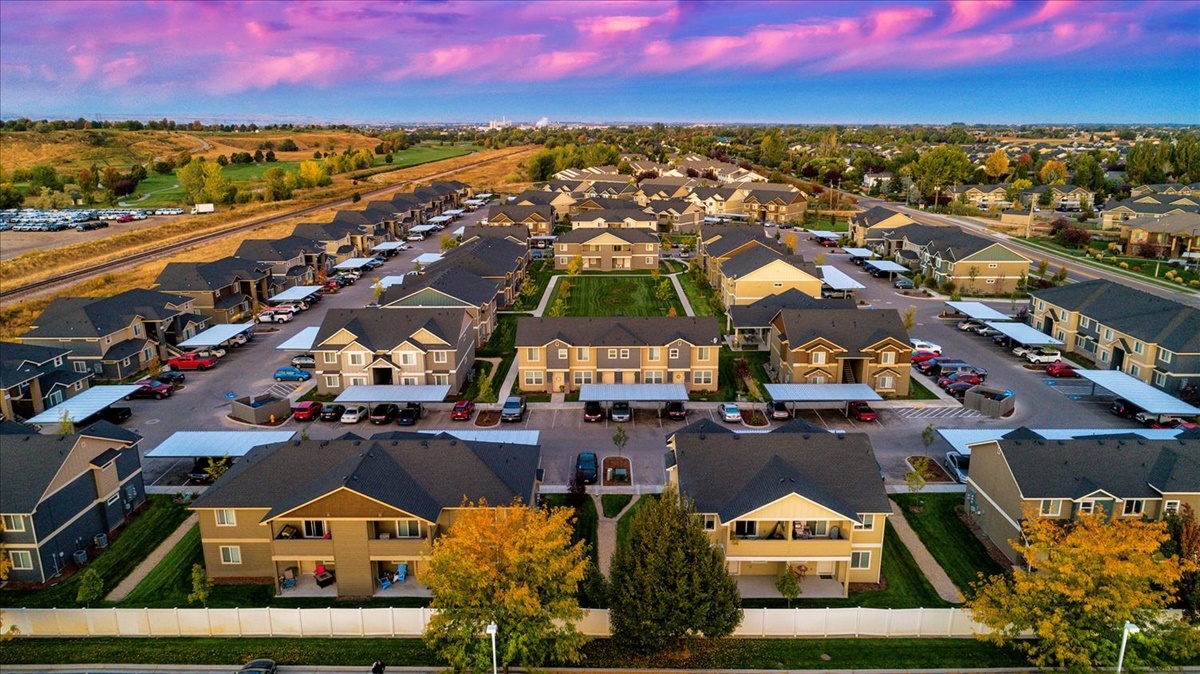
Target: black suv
{"x":593,"y":411}
{"x":385,"y":413}
{"x":409,"y":415}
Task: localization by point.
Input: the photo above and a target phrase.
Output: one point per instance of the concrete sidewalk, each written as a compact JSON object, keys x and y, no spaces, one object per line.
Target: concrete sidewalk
{"x":941,"y":582}
{"x":683,"y":298}
{"x":126,"y":586}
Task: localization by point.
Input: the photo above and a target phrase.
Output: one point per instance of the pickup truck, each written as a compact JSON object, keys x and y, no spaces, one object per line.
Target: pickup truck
{"x":192,"y":361}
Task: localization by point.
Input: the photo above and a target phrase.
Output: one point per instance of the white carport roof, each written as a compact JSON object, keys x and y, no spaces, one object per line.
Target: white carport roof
{"x":823,"y":234}
{"x":859,"y":252}
{"x":453,"y":212}
{"x":389,"y":281}
{"x":810,"y":393}
{"x":837,"y":279}
{"x":389,"y":245}
{"x":1138,"y":392}
{"x":355,"y":263}
{"x":522,"y":437}
{"x":439,"y":219}
{"x":885,"y":265}
{"x":633,"y":392}
{"x":296,"y":293}
{"x":194,"y":444}
{"x":394,"y":394}
{"x":484,"y":196}
{"x":85,"y":404}
{"x":421,"y":229}
{"x":427,"y":258}
{"x":961,"y":439}
{"x":301,"y":341}
{"x":978,"y":311}
{"x":1019,"y":332}
{"x":217,"y":334}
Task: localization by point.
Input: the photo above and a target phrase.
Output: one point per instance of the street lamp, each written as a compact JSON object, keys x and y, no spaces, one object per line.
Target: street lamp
{"x":1129,"y":628}
{"x":492,"y":629}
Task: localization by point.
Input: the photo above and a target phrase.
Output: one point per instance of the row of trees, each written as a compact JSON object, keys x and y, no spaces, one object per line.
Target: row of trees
{"x":545,"y":163}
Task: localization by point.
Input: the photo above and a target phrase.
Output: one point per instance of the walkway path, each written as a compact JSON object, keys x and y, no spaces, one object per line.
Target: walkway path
{"x":606,"y":538}
{"x":541,"y":307}
{"x":126,"y":586}
{"x":683,"y":298}
{"x":929,"y":566}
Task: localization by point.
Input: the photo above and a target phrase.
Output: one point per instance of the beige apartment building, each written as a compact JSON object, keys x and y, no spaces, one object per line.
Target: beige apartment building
{"x":608,"y":249}
{"x":842,"y":346}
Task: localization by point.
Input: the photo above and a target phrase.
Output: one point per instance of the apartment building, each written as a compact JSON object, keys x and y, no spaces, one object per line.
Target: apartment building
{"x":975,"y":265}
{"x":608,"y":249}
{"x":34,"y":378}
{"x":842,"y":346}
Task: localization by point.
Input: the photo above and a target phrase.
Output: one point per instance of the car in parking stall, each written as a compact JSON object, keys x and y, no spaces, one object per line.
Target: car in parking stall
{"x":987,"y":331}
{"x":676,"y":410}
{"x":513,"y":409}
{"x":587,"y":467}
{"x":1061,"y":369}
{"x":332,"y":412}
{"x":922,"y":345}
{"x":409,"y":415}
{"x":970,"y":325}
{"x":173,"y":377}
{"x":620,"y":412}
{"x":593,"y":411}
{"x":289,"y":373}
{"x":304,"y":360}
{"x":463,"y":410}
{"x":307,"y":410}
{"x":1043,"y":355}
{"x":729,"y":412}
{"x":959,"y":377}
{"x":354,"y":414}
{"x":385,"y":413}
{"x":861,"y":411}
{"x":932,"y":367}
{"x":151,"y":388}
{"x":192,"y":361}
{"x":272,"y":316}
{"x":779,"y":411}
{"x":919,"y":356}
{"x":957,"y":466}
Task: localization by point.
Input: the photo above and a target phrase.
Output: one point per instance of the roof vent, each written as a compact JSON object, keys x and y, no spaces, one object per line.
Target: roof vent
{"x":324,"y":443}
{"x":357,"y":443}
{"x":1098,"y":442}
{"x":453,"y":443}
{"x":296,"y":443}
{"x":701,"y":436}
{"x":1141,"y":442}
{"x":805,"y":436}
{"x":424,"y":443}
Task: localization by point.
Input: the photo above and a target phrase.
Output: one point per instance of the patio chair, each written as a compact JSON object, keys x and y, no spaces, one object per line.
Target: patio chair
{"x":288,"y":579}
{"x":384,"y":582}
{"x":402,"y":573}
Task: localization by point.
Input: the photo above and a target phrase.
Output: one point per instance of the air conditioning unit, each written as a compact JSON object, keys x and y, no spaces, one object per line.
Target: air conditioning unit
{"x":80,"y":557}
{"x":101,"y":540}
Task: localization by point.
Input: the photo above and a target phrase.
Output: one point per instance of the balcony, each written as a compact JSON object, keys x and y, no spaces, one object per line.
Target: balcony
{"x":397,"y":548}
{"x":303,"y":547}
{"x":798,"y":549}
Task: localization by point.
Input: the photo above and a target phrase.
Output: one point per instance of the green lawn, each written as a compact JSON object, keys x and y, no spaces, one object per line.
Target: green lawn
{"x":501,"y":345}
{"x":703,"y":299}
{"x":728,"y":385}
{"x":625,"y":524}
{"x":608,"y":295}
{"x":540,"y":272}
{"x":917,"y":391}
{"x":129,"y":547}
{"x":1137,"y":267}
{"x":613,"y":504}
{"x":948,"y":539}
{"x":592,"y":592}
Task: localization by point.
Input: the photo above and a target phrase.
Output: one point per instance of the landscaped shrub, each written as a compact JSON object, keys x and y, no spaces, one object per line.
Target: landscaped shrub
{"x":1124,"y":265}
{"x":1194,"y":283}
{"x":1178,"y":279}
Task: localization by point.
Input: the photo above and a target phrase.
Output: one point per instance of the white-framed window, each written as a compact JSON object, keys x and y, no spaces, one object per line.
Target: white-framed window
{"x":1085,"y":322}
{"x":818,"y":358}
{"x":125,"y":362}
{"x":817,"y":378}
{"x":329,"y":357}
{"x":231,"y":554}
{"x":439,"y":356}
{"x":331,"y":380}
{"x":1138,"y":347}
{"x":1160,"y":379}
{"x":137,"y":329}
{"x":653,"y":377}
{"x":624,"y":354}
{"x":79,"y":366}
{"x":868,"y":522}
{"x":886,"y":381}
{"x":1104,"y":356}
{"x":404,"y":381}
{"x":1108,"y":334}
{"x":357,"y":358}
{"x":57,"y":361}
{"x":649,"y":260}
{"x":745,"y":529}
{"x":533,"y":355}
{"x":581,"y":354}
{"x":314,"y":528}
{"x":655,"y":353}
{"x":1041,"y":306}
{"x":582,"y":377}
{"x":1171,"y":508}
{"x":1134,"y":370}
{"x":226,"y":518}
{"x":1061,"y":335}
{"x":563,"y":354}
{"x":702,"y":353}
{"x":612,"y":354}
{"x":672,"y":353}
{"x":1051,"y":507}
{"x":1087,"y":507}
{"x":993,"y":265}
{"x":408,"y":528}
{"x":990,"y":281}
{"x":1133,"y":507}
{"x":860,"y":559}
{"x":1165,"y":356}
{"x":887,"y":358}
{"x":408,"y":358}
{"x":21,"y":560}
{"x":14,"y":523}
{"x":702,"y":377}
{"x":709,"y":521}
{"x":441,"y":379}
{"x":534,"y":378}
{"x":78,"y":386}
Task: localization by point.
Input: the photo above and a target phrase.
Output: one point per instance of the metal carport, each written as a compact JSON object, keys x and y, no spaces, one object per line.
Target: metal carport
{"x":196,"y":444}
{"x":356,"y":263}
{"x":864,"y":253}
{"x":301,"y":341}
{"x":1138,"y":392}
{"x":1023,"y":334}
{"x":837,"y":279}
{"x":426,"y":259}
{"x":217,"y":335}
{"x":961,"y":439}
{"x":885,"y":266}
{"x":979,"y":311}
{"x":822,"y":234}
{"x":293,"y":294}
{"x":394,"y":394}
{"x":388,"y":245}
{"x":818,"y":396}
{"x":85,"y":404}
{"x":640,"y":393}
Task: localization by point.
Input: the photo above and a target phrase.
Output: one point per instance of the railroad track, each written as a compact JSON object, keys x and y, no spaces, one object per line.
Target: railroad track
{"x":98,"y":269}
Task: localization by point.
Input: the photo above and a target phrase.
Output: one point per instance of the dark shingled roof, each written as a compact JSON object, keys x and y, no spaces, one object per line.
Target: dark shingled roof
{"x":535,"y":198}
{"x":658,"y":206}
{"x":30,"y":461}
{"x":420,"y":477}
{"x":628,"y":234}
{"x":800,"y":426}
{"x":618,"y":330}
{"x":1149,"y":318}
{"x":632,"y":212}
{"x":733,"y":236}
{"x":20,"y":362}
{"x":210,"y":275}
{"x":278,"y":250}
{"x":384,"y":329}
{"x":588,"y":204}
{"x":520,"y":233}
{"x":702,"y":426}
{"x":732,"y":475}
{"x":758,"y":257}
{"x":1127,"y":469}
{"x":950,"y":242}
{"x":95,"y":317}
{"x":518,"y":213}
{"x":455,"y":282}
{"x":104,"y":429}
{"x":851,"y":329}
{"x":760,"y":313}
{"x":487,"y":257}
{"x":874,"y":216}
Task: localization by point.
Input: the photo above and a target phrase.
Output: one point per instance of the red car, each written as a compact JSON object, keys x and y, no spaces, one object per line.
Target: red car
{"x":192,"y":361}
{"x":462,"y":410}
{"x":1061,"y":369}
{"x":861,"y":411}
{"x":829,"y":243}
{"x":959,"y":378}
{"x":1173,"y":423}
{"x":920,"y":356}
{"x":151,"y":389}
{"x":308,"y":410}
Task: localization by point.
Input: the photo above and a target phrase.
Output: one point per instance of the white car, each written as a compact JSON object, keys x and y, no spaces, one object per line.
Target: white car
{"x":1042,"y":355}
{"x":922,"y":345}
{"x":354,"y":414}
{"x":729,"y":412}
{"x":214,"y":351}
{"x":970,"y":324}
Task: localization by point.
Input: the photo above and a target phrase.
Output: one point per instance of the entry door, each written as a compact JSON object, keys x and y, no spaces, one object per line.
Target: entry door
{"x":825,"y":569}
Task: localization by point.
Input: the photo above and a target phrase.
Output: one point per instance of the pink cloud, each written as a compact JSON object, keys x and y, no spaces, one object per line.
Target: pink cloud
{"x":965,"y":14}
{"x":119,"y":72}
{"x":623,"y":23}
{"x":893,"y":23}
{"x":559,"y":64}
{"x":466,"y":58}
{"x":317,"y":66}
{"x":1048,"y":10}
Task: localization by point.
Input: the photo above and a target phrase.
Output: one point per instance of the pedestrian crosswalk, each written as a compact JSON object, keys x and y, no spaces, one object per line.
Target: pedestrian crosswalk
{"x":935,"y":413}
{"x":281,"y":389}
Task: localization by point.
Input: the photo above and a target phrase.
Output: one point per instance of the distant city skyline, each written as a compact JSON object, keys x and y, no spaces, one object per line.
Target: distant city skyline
{"x":906,"y":61}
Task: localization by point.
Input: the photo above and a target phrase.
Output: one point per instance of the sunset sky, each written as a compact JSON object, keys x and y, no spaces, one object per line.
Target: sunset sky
{"x":903,"y":61}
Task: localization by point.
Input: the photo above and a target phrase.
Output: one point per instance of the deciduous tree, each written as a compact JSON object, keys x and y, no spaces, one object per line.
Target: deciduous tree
{"x":941,"y":167}
{"x":515,"y":566}
{"x":996,"y":164}
{"x":201,"y":586}
{"x":91,"y":588}
{"x":1053,"y":172}
{"x":575,"y":265}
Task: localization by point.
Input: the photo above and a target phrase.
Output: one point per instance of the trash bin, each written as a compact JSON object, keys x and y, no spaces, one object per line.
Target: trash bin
{"x":990,"y":401}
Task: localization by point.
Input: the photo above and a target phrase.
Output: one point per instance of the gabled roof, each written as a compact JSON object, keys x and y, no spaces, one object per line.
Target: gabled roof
{"x":98,"y":316}
{"x":420,"y":477}
{"x":735,"y":474}
{"x":518,"y":213}
{"x":721,"y":239}
{"x":586,"y":204}
{"x":633,"y":212}
{"x":385,"y":329}
{"x":851,"y":329}
{"x":210,"y":275}
{"x":1152,"y":319}
{"x":618,"y":330}
{"x":679,"y":206}
{"x":757,"y":257}
{"x":326,"y":231}
{"x":1174,"y":223}
{"x":950,"y":243}
{"x":487,"y":257}
{"x":760,"y":313}
{"x":1127,"y":469}
{"x":278,"y":250}
{"x":877,"y":214}
{"x":535,"y":198}
{"x":22,"y":362}
{"x":518,"y":233}
{"x":453,"y":282}
{"x":628,"y":234}
{"x":31,"y":461}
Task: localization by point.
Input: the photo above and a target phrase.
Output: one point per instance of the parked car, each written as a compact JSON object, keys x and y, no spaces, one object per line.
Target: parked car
{"x":463,"y":410}
{"x":587,"y":468}
{"x":151,"y":388}
{"x":861,"y":411}
{"x":1172,"y":422}
{"x":958,"y":377}
{"x":214,"y":351}
{"x":289,"y":373}
{"x":620,"y":412}
{"x":354,"y":414}
{"x":932,"y":367}
{"x":190,"y":361}
{"x":922,"y":345}
{"x":904,"y":283}
{"x":385,"y":413}
{"x":987,"y":331}
{"x":304,"y":360}
{"x":308,"y":410}
{"x":829,"y":243}
{"x":1061,"y":369}
{"x":969,"y":325}
{"x":1041,"y":354}
{"x":1123,"y":408}
{"x":1020,"y":350}
{"x":240,"y":339}
{"x":676,"y":410}
{"x":729,"y":412}
{"x":332,"y":412}
{"x":172,"y":377}
{"x":779,"y":410}
{"x":593,"y":411}
{"x":514,"y":409}
{"x":919,"y":356}
{"x":259,"y":666}
{"x":112,"y":414}
{"x":274,"y":317}
{"x":960,"y":389}
{"x":409,"y":415}
{"x":957,"y":466}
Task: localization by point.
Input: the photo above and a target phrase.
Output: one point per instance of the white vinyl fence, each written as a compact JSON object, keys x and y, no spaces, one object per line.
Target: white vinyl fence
{"x":410,"y":622}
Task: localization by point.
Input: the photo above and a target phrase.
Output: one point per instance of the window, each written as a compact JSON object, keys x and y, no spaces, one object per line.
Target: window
{"x":624,"y":354}
{"x":21,"y":560}
{"x":860,"y":560}
{"x":885,"y":382}
{"x":1051,"y":507}
{"x":1165,"y":356}
{"x":868,"y":522}
{"x":14,"y":523}
{"x":328,"y":357}
{"x":439,"y":356}
{"x":1134,"y":370}
{"x":745,"y":529}
{"x":532,"y":355}
{"x":231,"y":554}
{"x":817,"y":379}
{"x":441,"y":379}
{"x":331,"y":380}
{"x":79,"y":366}
{"x":1171,"y":508}
{"x":533,"y":378}
{"x":582,"y":378}
{"x":404,"y":381}
{"x":562,"y":261}
{"x":653,"y":377}
{"x":1085,"y":322}
{"x":818,"y":357}
{"x":581,"y":354}
{"x":562,"y":354}
{"x":1041,"y":306}
{"x":1108,"y":334}
{"x":1138,"y":347}
{"x":702,"y":377}
{"x":649,"y":260}
{"x":655,"y":353}
{"x":993,"y":265}
{"x":112,"y":500}
{"x":125,"y":362}
{"x":888,"y":358}
{"x":709,"y":521}
{"x":702,"y":353}
{"x":57,"y":361}
{"x":612,"y":354}
{"x":991,"y":281}
{"x":1133,"y":507}
{"x":1104,"y":356}
{"x":226,"y":518}
{"x":1087,"y":507}
{"x":137,"y":329}
{"x":357,"y":359}
{"x":78,"y":386}
{"x":673,"y":353}
{"x":314,"y":528}
{"x":1160,"y":379}
{"x":408,"y":528}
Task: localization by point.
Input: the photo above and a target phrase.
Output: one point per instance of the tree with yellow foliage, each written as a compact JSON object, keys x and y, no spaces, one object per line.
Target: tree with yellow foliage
{"x":1053,"y":172}
{"x":996,"y":164}
{"x":1083,"y":580}
{"x":515,"y":566}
